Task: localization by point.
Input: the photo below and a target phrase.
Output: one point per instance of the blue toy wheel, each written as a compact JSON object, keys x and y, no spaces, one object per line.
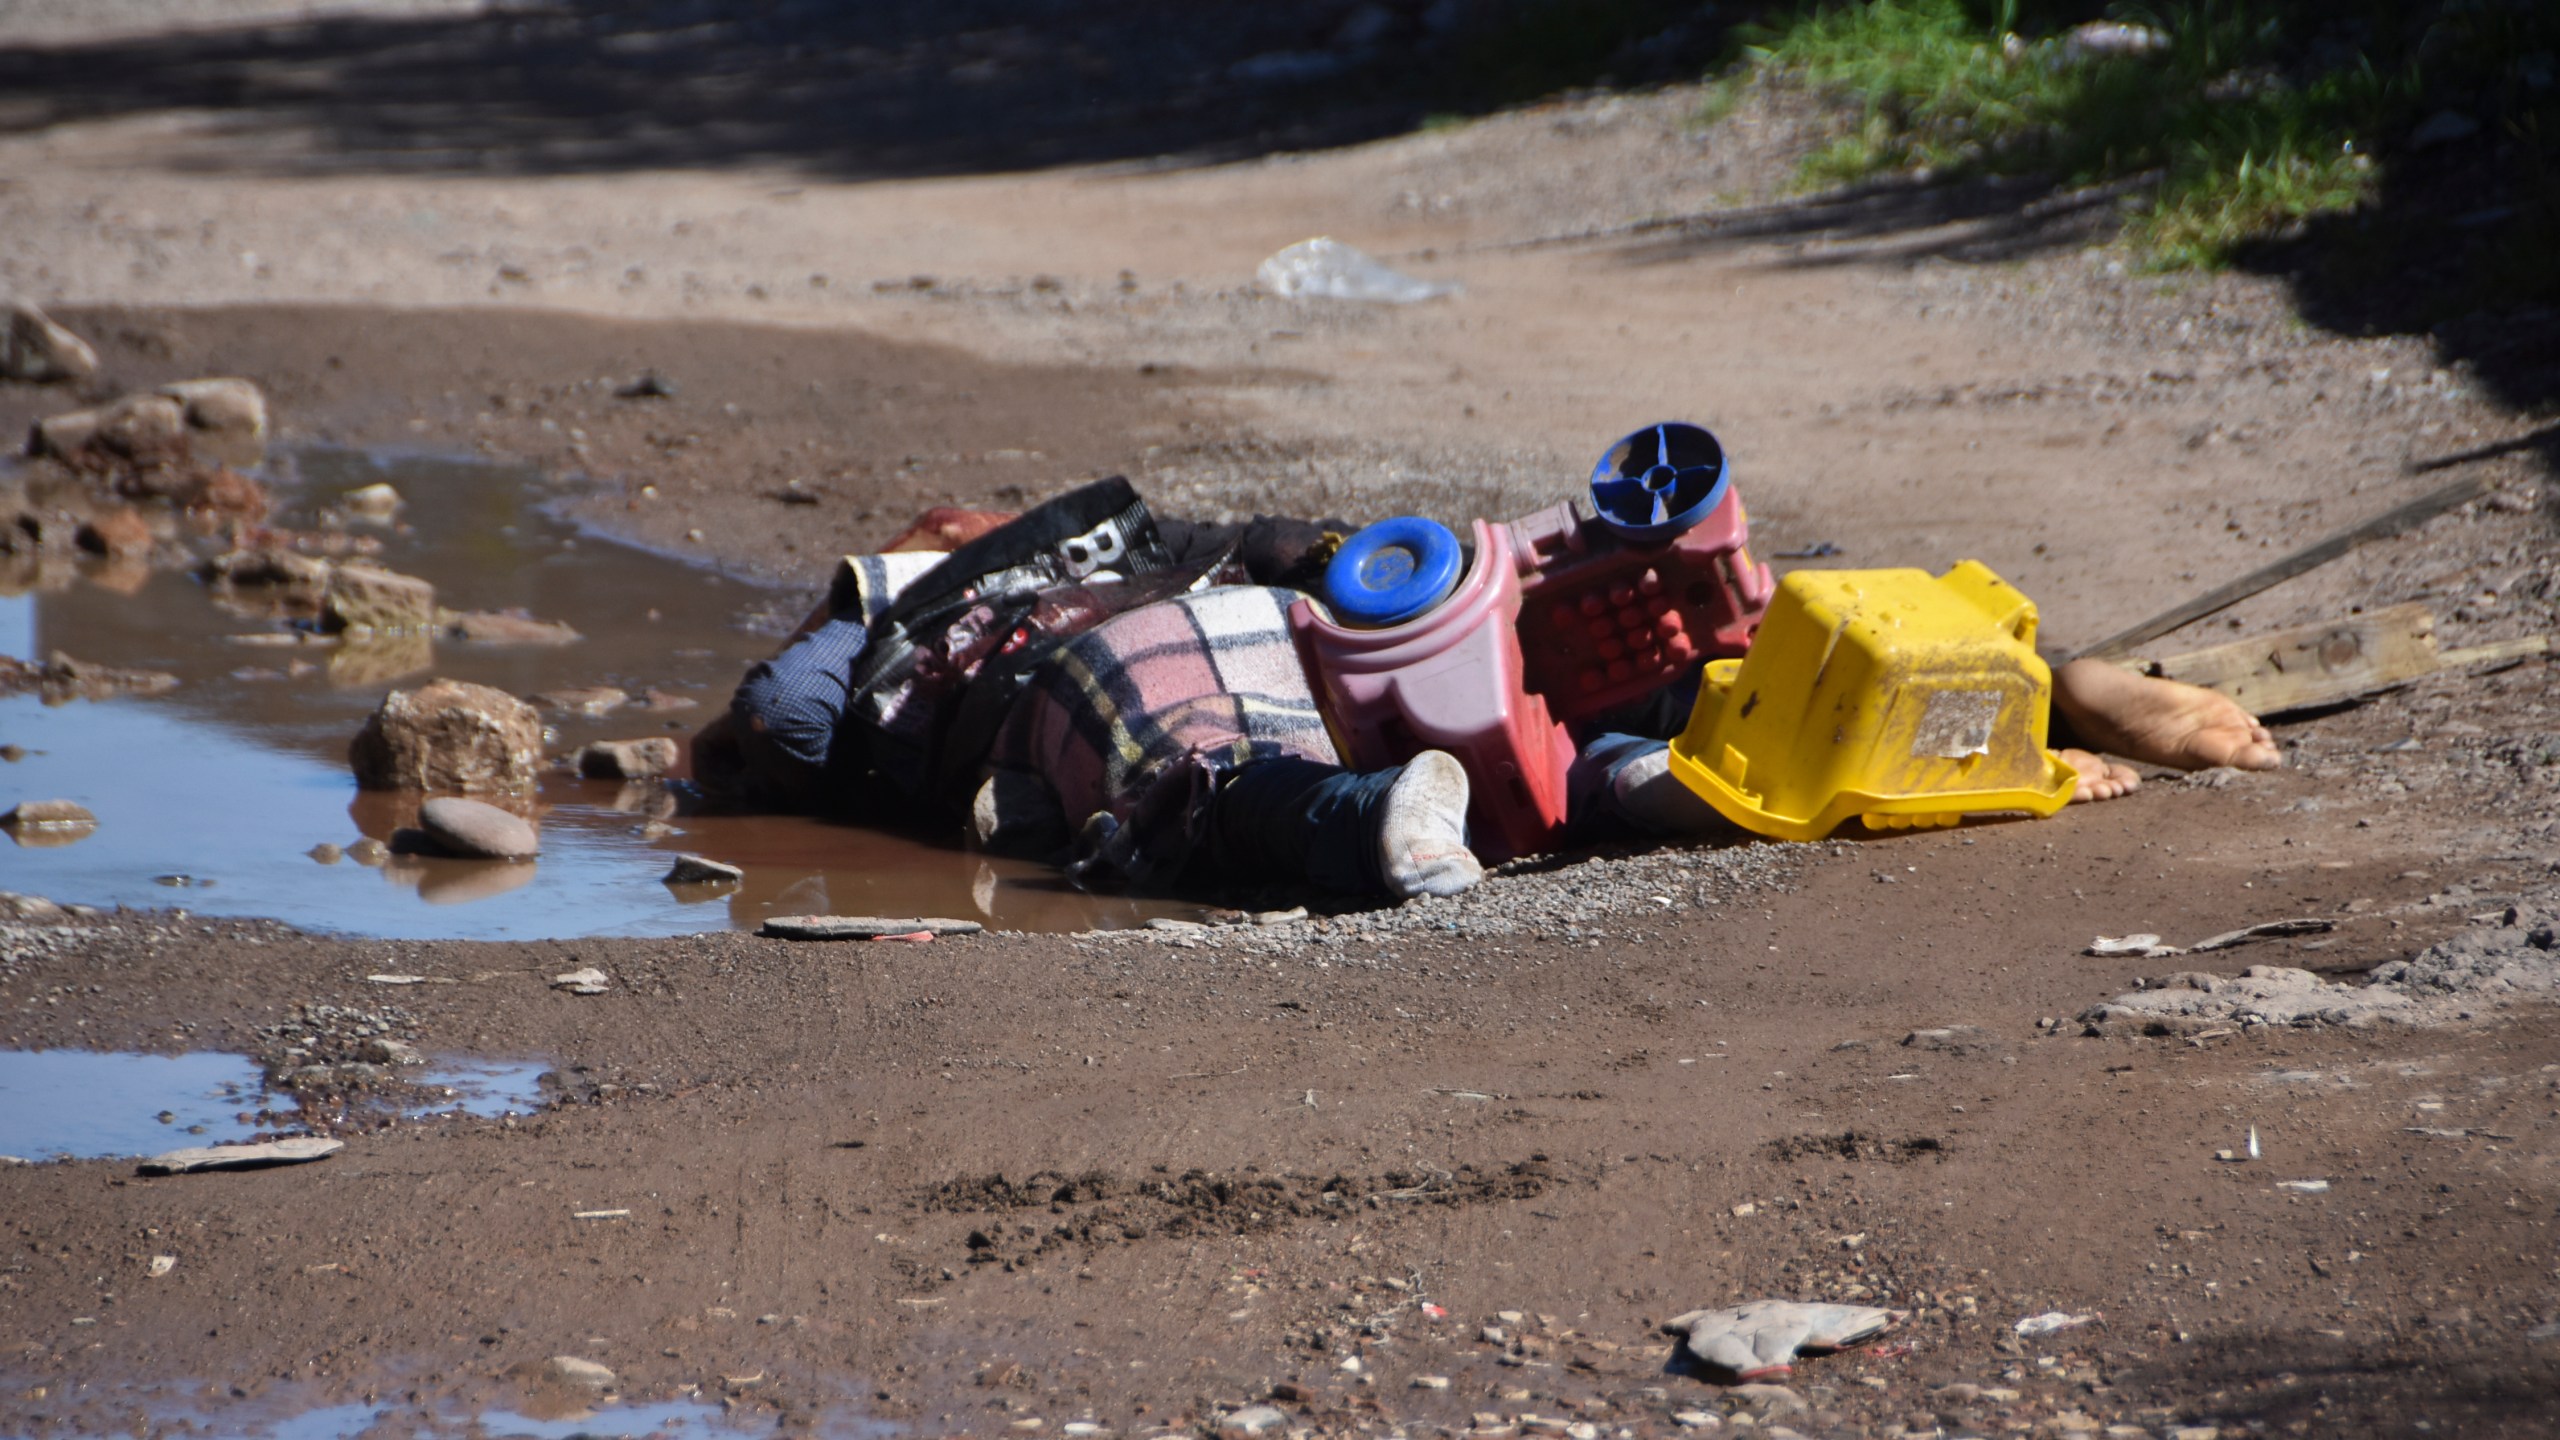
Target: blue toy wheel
{"x":1660,"y":481}
{"x":1393,"y":571}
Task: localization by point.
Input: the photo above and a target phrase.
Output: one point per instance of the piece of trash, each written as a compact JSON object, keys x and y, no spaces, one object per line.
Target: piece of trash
{"x":161,"y":1265}
{"x":2307,"y":1187}
{"x":1765,"y":1336}
{"x":294,"y":1151}
{"x":589,"y":981}
{"x":395,"y":979}
{"x":1818,"y":550}
{"x":2050,"y":1322}
{"x":2270,"y":930}
{"x":599,"y":1214}
{"x":2253,"y":1142}
{"x":1430,"y":1382}
{"x":1326,"y":269}
{"x":2145,"y":945}
{"x":860,"y":927}
{"x":1745,"y":1208}
{"x":1434,"y":1312}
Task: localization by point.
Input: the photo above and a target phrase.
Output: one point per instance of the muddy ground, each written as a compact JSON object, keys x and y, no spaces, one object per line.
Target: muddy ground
{"x":967,"y":1186}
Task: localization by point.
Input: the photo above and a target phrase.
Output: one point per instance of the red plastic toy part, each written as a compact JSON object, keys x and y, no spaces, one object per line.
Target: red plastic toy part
{"x":1603,"y":621}
{"x":1451,"y":680}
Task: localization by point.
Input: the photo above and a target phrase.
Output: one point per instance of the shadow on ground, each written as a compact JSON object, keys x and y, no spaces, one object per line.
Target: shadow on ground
{"x":855,"y":91}
{"x":2438,"y":1376}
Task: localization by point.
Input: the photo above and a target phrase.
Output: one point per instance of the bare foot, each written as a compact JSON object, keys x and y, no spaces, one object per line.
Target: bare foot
{"x":2100,"y":778}
{"x":2160,"y":722}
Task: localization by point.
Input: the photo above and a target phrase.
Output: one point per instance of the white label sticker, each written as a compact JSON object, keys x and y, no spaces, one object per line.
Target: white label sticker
{"x":1956,"y":723}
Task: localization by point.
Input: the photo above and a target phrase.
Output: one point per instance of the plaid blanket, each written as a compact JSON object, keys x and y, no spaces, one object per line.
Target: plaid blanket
{"x":1134,"y":722}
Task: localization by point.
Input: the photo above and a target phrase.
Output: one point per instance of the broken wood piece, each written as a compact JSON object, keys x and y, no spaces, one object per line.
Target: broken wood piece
{"x":2310,"y":557}
{"x":2310,"y":665}
{"x":2271,"y":930}
{"x":2522,"y":648}
{"x":861,"y":927}
{"x":241,"y":1157}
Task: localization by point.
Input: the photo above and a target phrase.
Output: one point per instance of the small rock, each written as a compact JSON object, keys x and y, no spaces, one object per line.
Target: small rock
{"x":370,"y":599}
{"x":495,"y":627}
{"x":1771,"y":1399}
{"x":628,"y":759}
{"x":48,"y":815}
{"x":377,"y":501}
{"x":28,"y":907}
{"x":1697,"y":1419}
{"x":135,"y":427}
{"x":589,"y":700}
{"x":37,"y":349}
{"x":478,"y":830}
{"x":382,"y":1050}
{"x":650,"y":386}
{"x":701,"y":870}
{"x":241,"y":1157}
{"x":117,"y":532}
{"x":326,"y":852}
{"x":860,"y":927}
{"x":228,"y":407}
{"x":160,"y":1265}
{"x":369,"y":852}
{"x":589,"y":981}
{"x":574,"y":1371}
{"x":1251,"y":1421}
{"x":1430,"y":1382}
{"x":659,"y":702}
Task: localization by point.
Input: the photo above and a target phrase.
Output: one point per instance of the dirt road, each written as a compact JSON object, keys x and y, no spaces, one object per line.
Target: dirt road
{"x":1141,"y":1181}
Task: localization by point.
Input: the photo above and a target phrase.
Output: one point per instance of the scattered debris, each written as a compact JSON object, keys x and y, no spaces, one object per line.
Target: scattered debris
{"x":1765,"y":1336}
{"x":295,"y":1151}
{"x":589,"y":981}
{"x":2052,"y":1321}
{"x":860,"y":927}
{"x":2144,"y":944}
{"x":1326,"y":269}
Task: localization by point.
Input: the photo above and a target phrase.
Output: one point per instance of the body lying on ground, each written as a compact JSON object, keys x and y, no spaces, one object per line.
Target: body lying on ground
{"x":1121,"y":696}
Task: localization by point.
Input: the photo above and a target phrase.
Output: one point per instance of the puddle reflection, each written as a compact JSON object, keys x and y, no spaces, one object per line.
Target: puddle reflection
{"x":235,"y":776}
{"x":89,"y":1104}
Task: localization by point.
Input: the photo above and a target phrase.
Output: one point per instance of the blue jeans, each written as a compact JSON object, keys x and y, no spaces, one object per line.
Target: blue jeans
{"x":1289,"y":819}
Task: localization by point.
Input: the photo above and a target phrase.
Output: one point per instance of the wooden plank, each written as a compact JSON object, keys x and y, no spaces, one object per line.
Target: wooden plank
{"x":2310,"y":557}
{"x":2495,"y":652}
{"x":2315,"y":664}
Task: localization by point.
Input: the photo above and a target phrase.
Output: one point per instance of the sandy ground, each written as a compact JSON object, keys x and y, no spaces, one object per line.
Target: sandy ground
{"x":1015,"y":1179}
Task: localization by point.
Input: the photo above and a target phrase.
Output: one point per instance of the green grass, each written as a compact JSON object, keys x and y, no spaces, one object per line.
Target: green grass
{"x":2241,"y":148}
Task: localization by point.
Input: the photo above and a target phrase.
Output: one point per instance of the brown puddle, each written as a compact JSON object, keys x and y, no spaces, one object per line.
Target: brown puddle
{"x":210,"y":795}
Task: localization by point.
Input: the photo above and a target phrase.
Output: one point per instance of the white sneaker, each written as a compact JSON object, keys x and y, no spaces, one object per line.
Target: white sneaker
{"x":1654,"y":799}
{"x":1422,"y":829}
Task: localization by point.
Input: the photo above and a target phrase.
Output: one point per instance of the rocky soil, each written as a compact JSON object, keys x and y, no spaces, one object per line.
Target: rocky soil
{"x":1440,"y":1169}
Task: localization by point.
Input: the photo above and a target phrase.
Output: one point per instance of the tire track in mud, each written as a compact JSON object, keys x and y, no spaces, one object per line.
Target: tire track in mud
{"x":1095,"y":1208}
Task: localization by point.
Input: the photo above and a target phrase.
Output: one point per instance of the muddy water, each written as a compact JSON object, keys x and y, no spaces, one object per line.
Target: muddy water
{"x":88,"y":1103}
{"x":210,"y":796}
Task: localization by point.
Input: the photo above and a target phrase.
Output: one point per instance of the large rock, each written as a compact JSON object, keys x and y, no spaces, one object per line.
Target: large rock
{"x":451,"y":736}
{"x":35,"y":348}
{"x":477,"y":830}
{"x":371,"y":600}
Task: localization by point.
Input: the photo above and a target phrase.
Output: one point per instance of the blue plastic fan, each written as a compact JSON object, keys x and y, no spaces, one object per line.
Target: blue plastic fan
{"x":1659,"y":481}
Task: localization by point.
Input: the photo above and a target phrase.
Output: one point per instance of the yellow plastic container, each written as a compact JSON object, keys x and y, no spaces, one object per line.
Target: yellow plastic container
{"x":1894,"y":696}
